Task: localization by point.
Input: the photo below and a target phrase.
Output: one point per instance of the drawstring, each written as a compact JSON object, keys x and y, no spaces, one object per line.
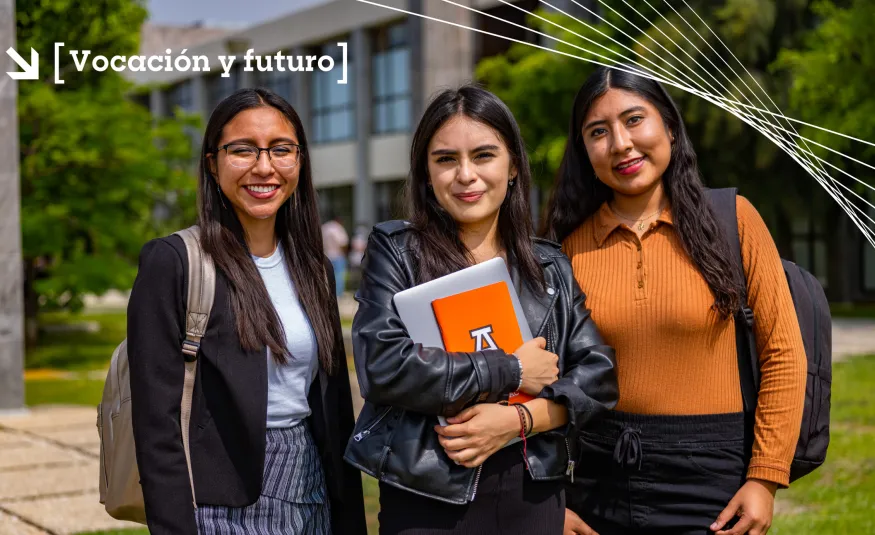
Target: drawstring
{"x":628,"y":452}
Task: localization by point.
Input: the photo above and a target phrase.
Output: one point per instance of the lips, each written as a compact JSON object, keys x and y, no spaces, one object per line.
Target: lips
{"x":629,"y":167}
{"x":473,"y":196}
{"x":265,"y":191}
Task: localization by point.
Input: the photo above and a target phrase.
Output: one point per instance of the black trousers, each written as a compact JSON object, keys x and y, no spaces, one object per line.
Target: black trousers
{"x":507,"y":501}
{"x":658,"y":475}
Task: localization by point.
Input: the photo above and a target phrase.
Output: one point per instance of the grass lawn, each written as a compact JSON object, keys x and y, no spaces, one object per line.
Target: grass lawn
{"x":836,"y":499}
{"x":852,"y":311}
{"x":839,"y":497}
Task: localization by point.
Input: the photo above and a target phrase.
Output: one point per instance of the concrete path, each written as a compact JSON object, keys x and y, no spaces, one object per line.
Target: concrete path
{"x":49,"y":471}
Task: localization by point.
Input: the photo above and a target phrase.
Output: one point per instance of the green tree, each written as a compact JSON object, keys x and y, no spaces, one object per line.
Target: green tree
{"x":95,"y":167}
{"x":832,"y":87}
{"x":539,"y":86}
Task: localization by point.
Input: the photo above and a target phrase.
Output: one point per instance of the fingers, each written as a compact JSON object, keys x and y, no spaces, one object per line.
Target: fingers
{"x":469,"y":457}
{"x":541,"y":342}
{"x":575,"y":526}
{"x":743,"y":526}
{"x":458,"y":430}
{"x":456,"y":444}
{"x":727,"y":514}
{"x":465,"y":415}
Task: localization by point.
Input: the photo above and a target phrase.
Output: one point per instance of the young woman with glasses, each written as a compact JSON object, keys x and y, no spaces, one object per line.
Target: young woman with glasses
{"x":272,"y":408}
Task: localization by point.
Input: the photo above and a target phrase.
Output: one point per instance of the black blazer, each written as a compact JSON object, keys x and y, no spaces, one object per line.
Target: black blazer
{"x":229,"y":411}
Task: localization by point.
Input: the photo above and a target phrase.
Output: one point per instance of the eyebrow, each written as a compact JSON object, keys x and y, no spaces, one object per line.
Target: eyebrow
{"x":601,"y":121}
{"x":275,"y":141}
{"x":481,"y":148}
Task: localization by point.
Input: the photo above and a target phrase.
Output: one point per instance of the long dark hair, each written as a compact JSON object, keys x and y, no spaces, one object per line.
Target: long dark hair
{"x":579,"y":193}
{"x":297,"y":229}
{"x":441,"y":251}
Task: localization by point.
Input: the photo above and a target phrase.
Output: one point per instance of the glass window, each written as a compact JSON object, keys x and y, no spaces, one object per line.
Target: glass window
{"x":390,"y":66}
{"x":276,"y":81}
{"x":389,"y":198}
{"x":181,"y":96}
{"x":219,"y":88}
{"x":333,"y":104}
{"x":336,"y":202}
{"x":809,"y":248}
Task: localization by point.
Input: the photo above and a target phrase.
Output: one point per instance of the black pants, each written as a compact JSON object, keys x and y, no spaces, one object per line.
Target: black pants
{"x":507,"y":501}
{"x":658,"y":474}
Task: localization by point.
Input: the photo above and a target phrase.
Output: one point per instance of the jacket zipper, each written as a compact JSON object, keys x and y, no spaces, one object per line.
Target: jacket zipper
{"x":367,"y":431}
{"x":476,"y":482}
{"x":569,"y":472}
{"x":571,"y":463}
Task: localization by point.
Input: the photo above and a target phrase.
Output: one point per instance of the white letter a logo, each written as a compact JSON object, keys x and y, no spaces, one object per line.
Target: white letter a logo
{"x":483,"y":338}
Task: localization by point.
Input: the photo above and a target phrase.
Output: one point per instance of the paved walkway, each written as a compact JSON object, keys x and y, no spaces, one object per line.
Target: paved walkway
{"x":48,"y":473}
{"x":49,"y":456}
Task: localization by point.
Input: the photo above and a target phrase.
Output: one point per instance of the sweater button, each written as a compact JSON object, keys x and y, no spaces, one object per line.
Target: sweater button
{"x":641,"y":284}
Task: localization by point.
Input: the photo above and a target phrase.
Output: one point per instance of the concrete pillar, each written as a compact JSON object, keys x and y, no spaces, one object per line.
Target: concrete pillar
{"x":199,"y":98}
{"x":417,"y":42}
{"x":301,"y":90}
{"x":158,"y":103}
{"x":363,"y":202}
{"x":11,"y":265}
{"x":447,"y":50}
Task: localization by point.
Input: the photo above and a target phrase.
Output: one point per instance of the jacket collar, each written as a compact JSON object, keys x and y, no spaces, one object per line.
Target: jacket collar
{"x":606,"y":222}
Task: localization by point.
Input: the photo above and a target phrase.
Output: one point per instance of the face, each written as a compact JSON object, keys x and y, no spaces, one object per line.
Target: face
{"x":469,"y":168}
{"x":627,"y":141}
{"x":256,"y":192}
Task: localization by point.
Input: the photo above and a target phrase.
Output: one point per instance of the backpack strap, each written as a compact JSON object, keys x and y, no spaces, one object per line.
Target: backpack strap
{"x":201,"y":293}
{"x":724,"y":207}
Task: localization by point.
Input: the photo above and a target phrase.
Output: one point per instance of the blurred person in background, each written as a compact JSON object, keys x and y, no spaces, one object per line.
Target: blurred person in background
{"x":335,"y":241}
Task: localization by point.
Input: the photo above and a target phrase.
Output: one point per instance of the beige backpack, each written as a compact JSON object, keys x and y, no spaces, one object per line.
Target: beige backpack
{"x":120,"y":489}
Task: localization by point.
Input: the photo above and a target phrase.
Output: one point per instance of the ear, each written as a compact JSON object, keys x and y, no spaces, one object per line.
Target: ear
{"x":514,"y":172}
{"x":671,"y":135}
{"x":211,"y":165}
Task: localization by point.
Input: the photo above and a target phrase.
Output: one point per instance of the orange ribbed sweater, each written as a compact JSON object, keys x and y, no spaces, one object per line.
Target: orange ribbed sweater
{"x":675,"y":355}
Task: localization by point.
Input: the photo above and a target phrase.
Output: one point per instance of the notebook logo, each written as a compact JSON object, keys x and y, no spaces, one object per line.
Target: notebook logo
{"x":483,"y":338}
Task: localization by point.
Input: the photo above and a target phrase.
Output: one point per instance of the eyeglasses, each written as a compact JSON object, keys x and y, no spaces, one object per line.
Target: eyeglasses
{"x":245,"y":156}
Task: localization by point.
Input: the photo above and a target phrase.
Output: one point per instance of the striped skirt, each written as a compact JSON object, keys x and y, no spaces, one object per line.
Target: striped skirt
{"x":293,"y":496}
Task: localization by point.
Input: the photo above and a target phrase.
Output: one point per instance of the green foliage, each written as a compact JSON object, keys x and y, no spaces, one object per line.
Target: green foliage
{"x":95,"y":167}
{"x":64,"y":347}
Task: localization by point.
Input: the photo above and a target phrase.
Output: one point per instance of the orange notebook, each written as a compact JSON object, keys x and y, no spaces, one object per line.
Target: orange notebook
{"x":478,"y":320}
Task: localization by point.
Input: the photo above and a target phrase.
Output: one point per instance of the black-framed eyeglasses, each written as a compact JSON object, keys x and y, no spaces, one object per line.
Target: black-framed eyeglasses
{"x":244,"y":155}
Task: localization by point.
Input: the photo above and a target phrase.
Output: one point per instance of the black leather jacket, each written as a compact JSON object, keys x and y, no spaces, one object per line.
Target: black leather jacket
{"x":405,"y":385}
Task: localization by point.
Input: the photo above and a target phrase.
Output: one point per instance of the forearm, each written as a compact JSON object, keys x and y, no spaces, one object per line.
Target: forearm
{"x":546,"y":414}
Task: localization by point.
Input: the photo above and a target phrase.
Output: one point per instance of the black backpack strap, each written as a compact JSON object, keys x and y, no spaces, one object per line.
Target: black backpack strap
{"x":723,"y":206}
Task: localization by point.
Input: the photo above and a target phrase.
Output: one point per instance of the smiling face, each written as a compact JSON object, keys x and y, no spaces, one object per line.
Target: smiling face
{"x":256,"y":192}
{"x":469,"y":168}
{"x":627,"y":141}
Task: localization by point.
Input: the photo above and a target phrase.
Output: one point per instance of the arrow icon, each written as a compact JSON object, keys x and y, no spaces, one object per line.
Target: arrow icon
{"x":31,"y":71}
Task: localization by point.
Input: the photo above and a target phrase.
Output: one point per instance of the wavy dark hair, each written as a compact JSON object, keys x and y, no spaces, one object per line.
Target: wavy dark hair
{"x":579,"y":193}
{"x":441,"y":250}
{"x":297,"y":228}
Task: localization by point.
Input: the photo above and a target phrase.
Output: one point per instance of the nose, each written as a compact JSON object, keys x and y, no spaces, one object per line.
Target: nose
{"x":466,"y":174}
{"x":622,"y":141}
{"x":263,"y":165}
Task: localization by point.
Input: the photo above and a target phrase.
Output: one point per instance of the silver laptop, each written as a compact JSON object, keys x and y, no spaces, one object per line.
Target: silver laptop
{"x":414,"y":304}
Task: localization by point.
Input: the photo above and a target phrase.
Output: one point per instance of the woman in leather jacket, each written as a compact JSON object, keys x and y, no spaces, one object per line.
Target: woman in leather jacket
{"x":468,"y":198}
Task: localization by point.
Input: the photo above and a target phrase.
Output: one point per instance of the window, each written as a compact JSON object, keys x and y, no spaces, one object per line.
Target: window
{"x":278,"y":82}
{"x":181,"y":96}
{"x":389,"y":198}
{"x":809,"y":247}
{"x":336,"y":202}
{"x":869,"y":257}
{"x":390,"y":72}
{"x":218,"y":88}
{"x":333,"y":104}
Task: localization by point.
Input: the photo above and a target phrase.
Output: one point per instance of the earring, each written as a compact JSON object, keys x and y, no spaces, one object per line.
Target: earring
{"x":512,"y":179}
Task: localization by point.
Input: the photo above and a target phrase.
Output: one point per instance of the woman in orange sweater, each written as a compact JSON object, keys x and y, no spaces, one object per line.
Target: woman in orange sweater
{"x":631,"y":213}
